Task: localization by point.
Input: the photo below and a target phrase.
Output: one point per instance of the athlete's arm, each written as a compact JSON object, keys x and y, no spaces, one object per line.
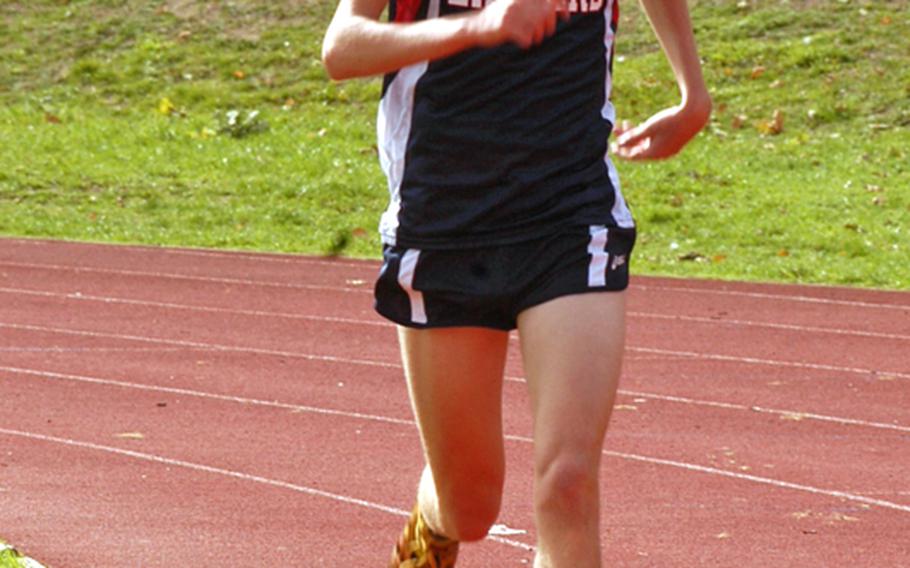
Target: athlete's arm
{"x":357,"y":44}
{"x":665,"y":133}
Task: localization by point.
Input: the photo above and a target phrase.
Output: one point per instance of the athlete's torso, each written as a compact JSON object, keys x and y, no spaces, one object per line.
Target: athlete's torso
{"x":502,"y":144}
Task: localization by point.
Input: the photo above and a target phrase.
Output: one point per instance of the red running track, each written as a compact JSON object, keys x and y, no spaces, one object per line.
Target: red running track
{"x":165,"y":407}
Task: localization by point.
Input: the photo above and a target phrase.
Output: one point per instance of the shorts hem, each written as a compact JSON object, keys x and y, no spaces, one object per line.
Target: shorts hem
{"x":439,"y":324}
{"x":556,"y":294}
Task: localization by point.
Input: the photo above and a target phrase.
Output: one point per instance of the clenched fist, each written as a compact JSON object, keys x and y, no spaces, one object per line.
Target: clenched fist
{"x":522,"y":22}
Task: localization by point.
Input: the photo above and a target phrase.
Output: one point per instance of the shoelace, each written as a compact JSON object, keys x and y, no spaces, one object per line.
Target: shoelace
{"x":426,"y":548}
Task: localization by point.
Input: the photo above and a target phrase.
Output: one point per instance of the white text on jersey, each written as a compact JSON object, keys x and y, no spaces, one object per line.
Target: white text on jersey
{"x":582,"y":6}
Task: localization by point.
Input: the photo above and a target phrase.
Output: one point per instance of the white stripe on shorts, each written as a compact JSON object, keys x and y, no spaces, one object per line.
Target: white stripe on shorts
{"x":406,"y":281}
{"x":597,"y":247}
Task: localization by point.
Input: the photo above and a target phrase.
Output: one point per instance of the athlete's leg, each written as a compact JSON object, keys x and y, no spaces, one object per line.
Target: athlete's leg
{"x":572,"y":349}
{"x":455,"y":382}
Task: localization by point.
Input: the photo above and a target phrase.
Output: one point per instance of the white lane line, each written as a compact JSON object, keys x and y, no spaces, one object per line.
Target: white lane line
{"x":643,"y":287}
{"x":349,"y":414}
{"x":793,"y":414}
{"x":233,"y":474}
{"x":91,"y":349}
{"x":747,"y":477}
{"x":523,"y":439}
{"x":772,"y":362}
{"x":205,"y":395}
{"x":191,"y":307}
{"x":203,"y":346}
{"x":171,"y":276}
{"x":294,"y":260}
{"x":771,"y":325}
{"x":78,"y":296}
{"x":868,"y":373}
{"x":778,"y":297}
{"x":288,"y":258}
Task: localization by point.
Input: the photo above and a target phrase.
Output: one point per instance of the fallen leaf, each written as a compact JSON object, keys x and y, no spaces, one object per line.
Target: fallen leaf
{"x":758,"y":71}
{"x":840,"y":517}
{"x":794,"y":416}
{"x":165,"y":106}
{"x":131,"y":435}
{"x":783,"y":253}
{"x":238,"y":74}
{"x":52,"y":118}
{"x":776,"y":126}
{"x":722,"y":536}
{"x":625,"y":407}
{"x":738,"y":121}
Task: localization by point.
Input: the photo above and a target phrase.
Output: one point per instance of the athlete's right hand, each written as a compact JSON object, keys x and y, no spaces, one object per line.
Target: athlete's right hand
{"x":523,"y":22}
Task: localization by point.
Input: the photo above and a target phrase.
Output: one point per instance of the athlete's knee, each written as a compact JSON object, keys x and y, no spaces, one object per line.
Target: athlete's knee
{"x":567,"y":484}
{"x":470,"y":508}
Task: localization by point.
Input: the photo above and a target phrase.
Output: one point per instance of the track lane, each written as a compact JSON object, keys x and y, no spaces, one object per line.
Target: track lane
{"x":661,"y":370}
{"x":227,"y":449}
{"x":792,"y":450}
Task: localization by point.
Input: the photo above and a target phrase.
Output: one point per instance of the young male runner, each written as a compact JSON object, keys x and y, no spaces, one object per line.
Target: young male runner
{"x":506,"y":213}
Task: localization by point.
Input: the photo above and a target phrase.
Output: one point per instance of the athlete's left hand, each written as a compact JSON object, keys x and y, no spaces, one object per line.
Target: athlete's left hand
{"x":664,"y":134}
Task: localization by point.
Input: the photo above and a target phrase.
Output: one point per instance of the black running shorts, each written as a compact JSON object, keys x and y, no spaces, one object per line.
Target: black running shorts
{"x":490,"y":286}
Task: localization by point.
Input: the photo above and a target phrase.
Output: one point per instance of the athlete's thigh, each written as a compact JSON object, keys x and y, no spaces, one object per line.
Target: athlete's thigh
{"x":572,"y":350}
{"x":455,"y":382}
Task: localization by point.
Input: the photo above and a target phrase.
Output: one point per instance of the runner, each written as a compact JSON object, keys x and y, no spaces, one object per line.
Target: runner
{"x":506,"y":212}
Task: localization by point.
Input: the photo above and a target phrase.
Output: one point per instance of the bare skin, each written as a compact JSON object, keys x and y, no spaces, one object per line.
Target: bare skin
{"x":357,"y":44}
{"x":572,"y":350}
{"x":455,"y":381}
{"x":572,"y":346}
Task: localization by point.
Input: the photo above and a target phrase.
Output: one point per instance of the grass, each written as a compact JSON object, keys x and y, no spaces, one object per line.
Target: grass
{"x":11,"y":558}
{"x":116,"y":125}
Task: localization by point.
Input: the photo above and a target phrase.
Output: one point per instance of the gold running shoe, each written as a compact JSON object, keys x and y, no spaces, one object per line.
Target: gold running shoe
{"x":420,"y":547}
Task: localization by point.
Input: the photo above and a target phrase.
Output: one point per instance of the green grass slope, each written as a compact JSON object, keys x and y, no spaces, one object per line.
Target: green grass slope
{"x":212,"y":124}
